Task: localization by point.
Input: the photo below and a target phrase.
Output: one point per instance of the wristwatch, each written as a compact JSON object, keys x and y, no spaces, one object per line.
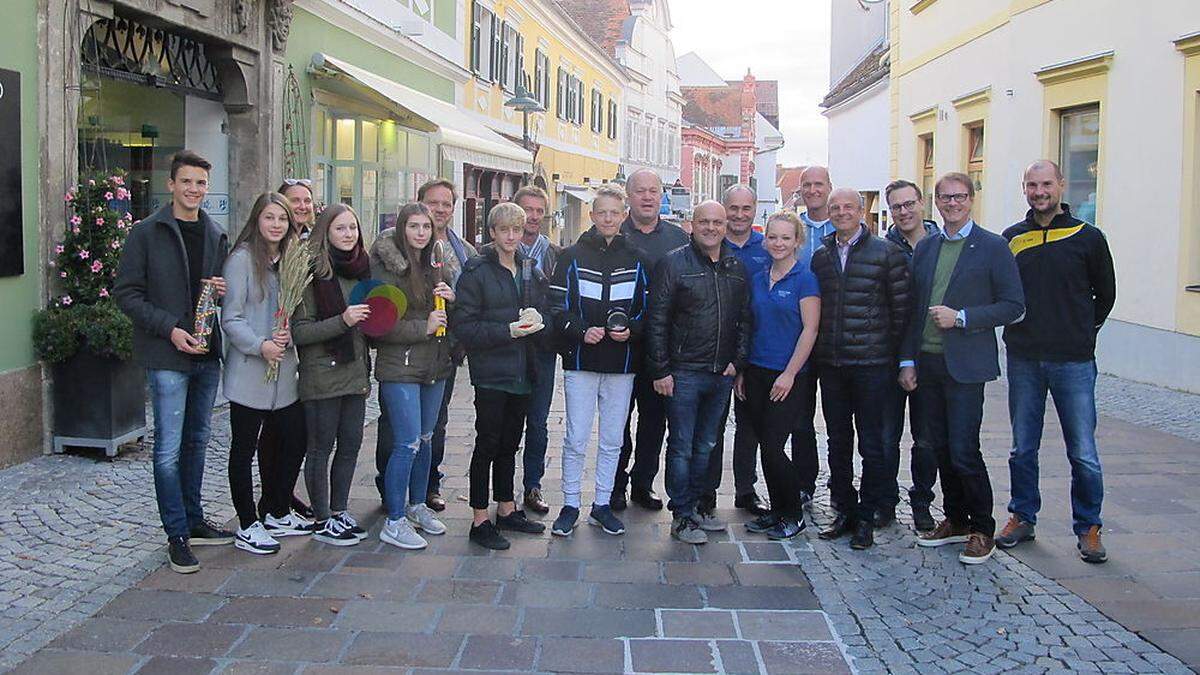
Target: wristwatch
{"x":958,"y":321}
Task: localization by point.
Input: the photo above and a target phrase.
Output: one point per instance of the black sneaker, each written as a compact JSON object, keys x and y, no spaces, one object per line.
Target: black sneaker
{"x":753,"y":503}
{"x":786,"y":528}
{"x":603,"y":517}
{"x":331,"y":532}
{"x":207,"y":534}
{"x":517,"y":522}
{"x":486,"y":535}
{"x":181,"y":557}
{"x":922,"y":519}
{"x":564,"y":524}
{"x":618,"y":501}
{"x":303,"y":509}
{"x":762,"y":524}
{"x":348,"y":522}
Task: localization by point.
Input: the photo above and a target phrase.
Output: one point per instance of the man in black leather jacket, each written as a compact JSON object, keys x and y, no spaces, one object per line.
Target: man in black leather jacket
{"x":864,"y":309}
{"x":697,"y":336}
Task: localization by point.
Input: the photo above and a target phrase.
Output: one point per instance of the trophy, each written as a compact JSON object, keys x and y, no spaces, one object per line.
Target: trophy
{"x":437,"y":259}
{"x":206,"y":314}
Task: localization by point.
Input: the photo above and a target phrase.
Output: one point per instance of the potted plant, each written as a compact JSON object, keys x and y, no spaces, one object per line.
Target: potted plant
{"x":98,"y":392}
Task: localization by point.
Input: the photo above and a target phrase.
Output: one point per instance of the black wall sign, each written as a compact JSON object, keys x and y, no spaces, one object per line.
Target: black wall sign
{"x":12,"y":247}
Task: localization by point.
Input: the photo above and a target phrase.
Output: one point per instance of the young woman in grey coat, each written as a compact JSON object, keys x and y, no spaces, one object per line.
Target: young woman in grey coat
{"x":248,"y":319}
{"x":335,"y":370}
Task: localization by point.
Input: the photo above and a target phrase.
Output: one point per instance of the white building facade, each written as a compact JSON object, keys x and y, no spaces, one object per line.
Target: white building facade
{"x":1108,"y":89}
{"x":857,"y":103}
{"x":652,"y":99}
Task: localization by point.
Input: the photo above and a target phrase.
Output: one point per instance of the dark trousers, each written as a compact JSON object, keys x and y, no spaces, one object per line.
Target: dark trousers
{"x":337,"y":420}
{"x":438,"y":446}
{"x":804,"y":433}
{"x":499,"y":422}
{"x":279,"y":463}
{"x":922,"y":462}
{"x":772,"y":422}
{"x":646,"y":446}
{"x":952,"y":415}
{"x":850,"y":401}
{"x":745,"y":455}
{"x":271,"y":443}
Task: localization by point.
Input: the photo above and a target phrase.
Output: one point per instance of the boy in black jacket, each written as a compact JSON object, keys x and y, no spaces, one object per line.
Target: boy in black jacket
{"x":597,"y":299}
{"x":1067,"y":272}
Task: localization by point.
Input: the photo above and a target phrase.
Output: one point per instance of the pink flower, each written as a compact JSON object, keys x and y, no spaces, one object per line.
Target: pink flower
{"x":66,"y":300}
{"x":69,"y":197}
{"x":99,"y":221}
{"x":97,"y":266}
{"x":128,"y":216}
{"x":84,"y":254}
{"x":63,"y":274}
{"x":122,"y":193}
{"x":104,"y":292}
{"x":76,"y":220}
{"x":91,"y":183}
{"x":108,"y":196}
{"x":59,"y":248}
{"x":74,"y":230}
{"x":118,"y":180}
{"x":114,"y":244}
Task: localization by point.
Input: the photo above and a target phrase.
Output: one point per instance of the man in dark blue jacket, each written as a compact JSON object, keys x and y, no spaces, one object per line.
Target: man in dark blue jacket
{"x":907,"y":206}
{"x":966,"y":284}
{"x":1067,"y":272}
{"x":167,"y":258}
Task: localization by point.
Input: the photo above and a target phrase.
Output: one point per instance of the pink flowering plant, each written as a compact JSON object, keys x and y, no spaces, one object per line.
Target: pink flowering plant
{"x":82,"y":312}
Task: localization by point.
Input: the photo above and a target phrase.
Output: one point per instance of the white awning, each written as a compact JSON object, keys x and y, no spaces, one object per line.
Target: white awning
{"x":462,"y":138}
{"x":583,"y":194}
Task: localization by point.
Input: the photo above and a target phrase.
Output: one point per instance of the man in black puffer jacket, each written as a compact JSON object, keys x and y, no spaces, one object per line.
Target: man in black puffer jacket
{"x":697,"y":336}
{"x":864,"y":309}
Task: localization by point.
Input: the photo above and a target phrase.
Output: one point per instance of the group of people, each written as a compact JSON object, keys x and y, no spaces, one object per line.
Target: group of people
{"x":680,"y":326}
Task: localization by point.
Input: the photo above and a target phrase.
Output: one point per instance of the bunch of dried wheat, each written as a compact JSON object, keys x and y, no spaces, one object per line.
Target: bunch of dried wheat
{"x":295,"y":273}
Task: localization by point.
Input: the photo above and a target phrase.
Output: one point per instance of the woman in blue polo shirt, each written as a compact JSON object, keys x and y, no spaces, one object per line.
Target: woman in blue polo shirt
{"x":786,"y":306}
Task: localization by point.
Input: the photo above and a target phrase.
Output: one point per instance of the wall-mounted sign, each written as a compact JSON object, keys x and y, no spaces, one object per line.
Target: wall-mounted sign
{"x":12,"y":242}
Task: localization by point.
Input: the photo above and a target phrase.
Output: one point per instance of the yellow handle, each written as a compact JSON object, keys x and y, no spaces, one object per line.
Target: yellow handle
{"x":439,"y":303}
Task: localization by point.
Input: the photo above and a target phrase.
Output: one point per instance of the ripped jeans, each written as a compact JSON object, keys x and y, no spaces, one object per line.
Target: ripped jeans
{"x":413,"y":411}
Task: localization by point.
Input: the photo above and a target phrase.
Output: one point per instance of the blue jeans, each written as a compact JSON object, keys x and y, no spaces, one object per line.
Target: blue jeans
{"x":1073,"y":386}
{"x":536,"y":436}
{"x":183,"y":403}
{"x":413,"y":411}
{"x":693,"y":417}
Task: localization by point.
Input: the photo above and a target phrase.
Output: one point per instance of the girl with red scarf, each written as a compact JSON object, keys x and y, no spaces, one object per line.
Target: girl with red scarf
{"x":334,"y":370}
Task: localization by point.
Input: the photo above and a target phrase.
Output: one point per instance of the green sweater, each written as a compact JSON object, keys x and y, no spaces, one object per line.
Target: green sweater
{"x":931,"y":337}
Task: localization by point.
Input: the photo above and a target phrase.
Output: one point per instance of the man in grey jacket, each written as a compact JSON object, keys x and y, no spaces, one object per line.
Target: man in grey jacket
{"x":167,"y":258}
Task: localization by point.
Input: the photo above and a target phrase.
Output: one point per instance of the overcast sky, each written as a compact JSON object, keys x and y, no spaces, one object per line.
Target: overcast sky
{"x":785,"y":40}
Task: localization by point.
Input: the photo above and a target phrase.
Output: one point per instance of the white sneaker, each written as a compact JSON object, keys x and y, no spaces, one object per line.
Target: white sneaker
{"x":709,"y":522}
{"x":421,"y":516}
{"x":334,"y":534}
{"x":293,"y":524}
{"x":256,"y":540}
{"x":401,"y":533}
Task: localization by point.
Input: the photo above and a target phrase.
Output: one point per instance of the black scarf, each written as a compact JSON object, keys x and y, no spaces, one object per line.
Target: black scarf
{"x":353,"y":264}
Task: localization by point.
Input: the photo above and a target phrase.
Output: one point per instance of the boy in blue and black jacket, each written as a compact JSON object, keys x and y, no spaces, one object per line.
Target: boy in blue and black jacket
{"x":597,"y":302}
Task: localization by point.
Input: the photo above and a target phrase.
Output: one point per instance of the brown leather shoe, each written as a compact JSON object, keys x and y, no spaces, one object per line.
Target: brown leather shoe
{"x":1091,"y":549}
{"x":534,"y":501}
{"x":945,"y":533}
{"x":435,"y":502}
{"x":979,"y":548}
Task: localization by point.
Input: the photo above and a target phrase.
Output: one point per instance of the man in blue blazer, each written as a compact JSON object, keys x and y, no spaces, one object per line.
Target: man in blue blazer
{"x":965,"y":285}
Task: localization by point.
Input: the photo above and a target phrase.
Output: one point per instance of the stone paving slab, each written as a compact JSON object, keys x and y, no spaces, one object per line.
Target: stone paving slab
{"x":594,"y":603}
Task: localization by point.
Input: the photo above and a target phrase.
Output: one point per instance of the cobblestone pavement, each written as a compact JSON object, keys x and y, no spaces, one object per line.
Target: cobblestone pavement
{"x":80,"y":532}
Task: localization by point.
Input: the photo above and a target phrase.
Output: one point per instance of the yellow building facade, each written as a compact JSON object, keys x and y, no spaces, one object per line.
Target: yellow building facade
{"x":534,"y":46}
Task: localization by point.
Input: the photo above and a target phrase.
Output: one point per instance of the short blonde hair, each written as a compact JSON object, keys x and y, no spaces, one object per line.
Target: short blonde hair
{"x":610,"y":192}
{"x":531,"y":191}
{"x":507,"y":213}
{"x":791,"y":217}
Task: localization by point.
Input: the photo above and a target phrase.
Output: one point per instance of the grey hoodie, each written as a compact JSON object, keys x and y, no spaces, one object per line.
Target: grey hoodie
{"x":248,"y":319}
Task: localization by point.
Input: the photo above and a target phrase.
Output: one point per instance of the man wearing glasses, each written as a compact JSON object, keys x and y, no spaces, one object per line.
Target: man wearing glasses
{"x":907,"y":206}
{"x":966,"y":283}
